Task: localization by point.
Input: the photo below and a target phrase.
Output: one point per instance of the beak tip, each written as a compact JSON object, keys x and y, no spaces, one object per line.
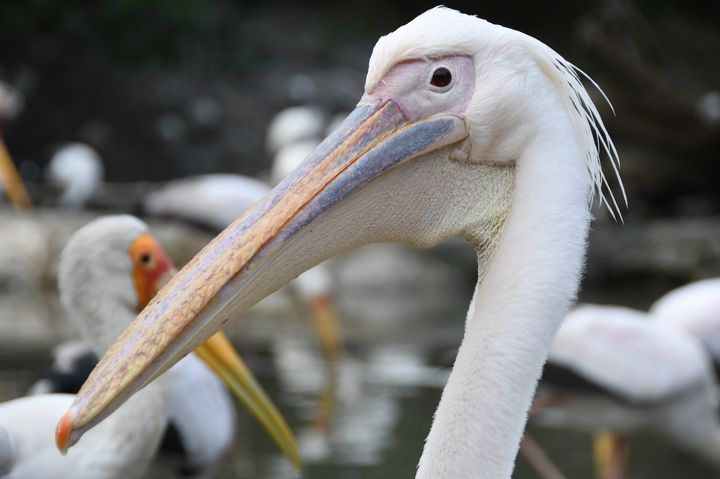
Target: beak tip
{"x":63,"y":432}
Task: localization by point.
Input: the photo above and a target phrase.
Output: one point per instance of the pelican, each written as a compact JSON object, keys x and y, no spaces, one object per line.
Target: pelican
{"x":466,"y":129}
{"x":108,"y":268}
{"x":695,"y":307}
{"x":75,"y":168}
{"x":612,"y":371}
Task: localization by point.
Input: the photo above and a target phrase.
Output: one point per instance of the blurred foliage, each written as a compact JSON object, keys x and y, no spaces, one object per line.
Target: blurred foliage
{"x":116,"y":73}
{"x":141,"y":31}
{"x":131,"y":31}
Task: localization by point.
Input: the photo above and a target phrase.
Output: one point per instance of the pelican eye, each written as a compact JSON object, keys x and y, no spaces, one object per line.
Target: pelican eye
{"x":441,"y":77}
{"x":146,"y":259}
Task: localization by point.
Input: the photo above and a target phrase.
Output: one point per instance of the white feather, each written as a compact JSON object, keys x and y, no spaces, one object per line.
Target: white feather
{"x":211,"y":200}
{"x":443,"y":31}
{"x":78,"y":171}
{"x":292,"y":125}
{"x":694,"y":307}
{"x":621,"y":350}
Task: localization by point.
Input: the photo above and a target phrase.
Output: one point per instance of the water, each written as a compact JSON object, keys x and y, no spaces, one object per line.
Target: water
{"x":400,"y":342}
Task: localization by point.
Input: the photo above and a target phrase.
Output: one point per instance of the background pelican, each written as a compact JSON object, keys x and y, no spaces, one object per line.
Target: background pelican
{"x":77,"y":171}
{"x":613,"y":371}
{"x":466,"y":129}
{"x":108,"y":269}
{"x":694,"y":307}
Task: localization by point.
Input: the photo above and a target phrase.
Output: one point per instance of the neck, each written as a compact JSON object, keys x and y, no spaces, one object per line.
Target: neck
{"x":518,"y":305}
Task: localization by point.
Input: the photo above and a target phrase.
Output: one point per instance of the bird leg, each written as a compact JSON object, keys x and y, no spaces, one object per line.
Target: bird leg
{"x":327,"y":327}
{"x":538,"y":459}
{"x":610,"y":452}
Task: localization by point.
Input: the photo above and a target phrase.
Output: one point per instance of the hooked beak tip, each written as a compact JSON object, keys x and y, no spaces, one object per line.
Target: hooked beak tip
{"x":63,"y":432}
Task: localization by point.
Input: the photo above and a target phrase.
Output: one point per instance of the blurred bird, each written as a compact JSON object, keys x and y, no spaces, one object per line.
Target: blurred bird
{"x":209,"y":201}
{"x":77,"y":170}
{"x":25,"y":253}
{"x":201,"y":412}
{"x":109,"y":270}
{"x":465,"y":129}
{"x":12,"y":102}
{"x":695,"y":308}
{"x":293,"y":125}
{"x":613,"y":372}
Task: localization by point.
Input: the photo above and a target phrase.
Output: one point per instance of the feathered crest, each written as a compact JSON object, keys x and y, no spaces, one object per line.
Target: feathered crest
{"x":587,"y":122}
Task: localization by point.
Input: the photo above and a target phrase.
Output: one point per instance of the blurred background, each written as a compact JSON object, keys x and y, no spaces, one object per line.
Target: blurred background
{"x":168,"y":89}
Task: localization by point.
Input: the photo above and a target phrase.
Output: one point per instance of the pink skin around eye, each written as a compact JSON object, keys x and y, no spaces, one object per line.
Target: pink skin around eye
{"x":408,"y":84}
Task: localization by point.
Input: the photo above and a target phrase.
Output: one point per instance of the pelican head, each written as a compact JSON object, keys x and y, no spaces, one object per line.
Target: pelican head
{"x":435,"y":148}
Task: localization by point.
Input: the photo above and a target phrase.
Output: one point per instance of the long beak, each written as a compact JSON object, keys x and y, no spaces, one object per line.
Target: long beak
{"x":259,"y":252}
{"x":12,"y":181}
{"x":219,"y":354}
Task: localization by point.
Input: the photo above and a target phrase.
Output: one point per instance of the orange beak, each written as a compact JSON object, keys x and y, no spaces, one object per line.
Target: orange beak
{"x":12,"y":181}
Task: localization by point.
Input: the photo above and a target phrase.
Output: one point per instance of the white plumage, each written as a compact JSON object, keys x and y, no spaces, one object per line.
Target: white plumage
{"x":620,"y":350}
{"x":293,"y":125}
{"x":646,"y":376}
{"x":202,"y":411}
{"x":199,"y":406}
{"x":211,"y":200}
{"x":694,"y":307}
{"x":12,"y":101}
{"x":121,"y":447}
{"x":98,"y":294}
{"x":77,"y":170}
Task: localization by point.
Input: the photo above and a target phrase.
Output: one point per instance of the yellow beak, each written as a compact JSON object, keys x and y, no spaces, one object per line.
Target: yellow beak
{"x":12,"y":181}
{"x":219,"y":354}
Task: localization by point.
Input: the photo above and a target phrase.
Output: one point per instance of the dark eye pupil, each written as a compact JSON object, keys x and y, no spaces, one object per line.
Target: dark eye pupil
{"x":441,"y":77}
{"x":145,"y":258}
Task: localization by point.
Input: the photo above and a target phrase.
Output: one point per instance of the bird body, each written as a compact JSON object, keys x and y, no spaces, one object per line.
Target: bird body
{"x":292,"y":125}
{"x":465,"y":129}
{"x":212,"y":201}
{"x":199,"y":408}
{"x":122,"y":447}
{"x":201,"y":411}
{"x":614,"y":369}
{"x":626,"y":354}
{"x":77,"y":170}
{"x":695,"y":308}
